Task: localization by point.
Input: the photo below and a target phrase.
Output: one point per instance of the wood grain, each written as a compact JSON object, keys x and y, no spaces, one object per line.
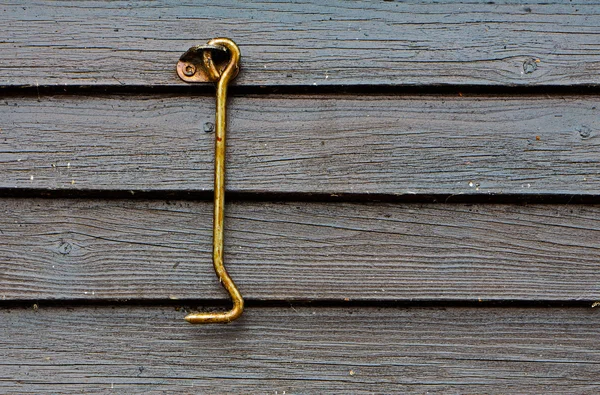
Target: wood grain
{"x":396,"y":145}
{"x":305,"y":43}
{"x":301,"y":350}
{"x":142,"y":131}
{"x":119,"y":249}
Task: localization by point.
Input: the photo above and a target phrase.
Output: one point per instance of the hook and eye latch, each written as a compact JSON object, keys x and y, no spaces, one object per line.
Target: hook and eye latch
{"x":216,"y":61}
{"x":204,"y":63}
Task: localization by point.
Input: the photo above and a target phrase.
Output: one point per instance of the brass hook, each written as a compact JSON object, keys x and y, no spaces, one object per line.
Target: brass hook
{"x":196,"y":65}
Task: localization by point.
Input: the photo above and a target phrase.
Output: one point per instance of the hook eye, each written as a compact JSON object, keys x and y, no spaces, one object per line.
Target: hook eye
{"x":203,"y":63}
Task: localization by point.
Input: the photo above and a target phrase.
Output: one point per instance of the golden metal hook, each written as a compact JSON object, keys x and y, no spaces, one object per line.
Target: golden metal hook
{"x":197,"y":65}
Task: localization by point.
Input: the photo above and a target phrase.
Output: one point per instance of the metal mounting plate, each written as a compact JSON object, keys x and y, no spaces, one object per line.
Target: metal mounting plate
{"x":202,"y":63}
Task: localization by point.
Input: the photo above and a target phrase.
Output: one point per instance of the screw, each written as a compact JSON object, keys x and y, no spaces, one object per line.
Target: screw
{"x":189,"y":70}
{"x":585,"y":132}
{"x":64,"y":248}
{"x":530,"y":65}
{"x":209,"y":127}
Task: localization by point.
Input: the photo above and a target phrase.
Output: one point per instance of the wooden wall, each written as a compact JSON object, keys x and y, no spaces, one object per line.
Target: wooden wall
{"x":413,"y":198}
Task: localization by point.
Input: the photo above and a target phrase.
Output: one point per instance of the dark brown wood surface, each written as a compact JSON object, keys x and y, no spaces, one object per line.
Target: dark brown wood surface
{"x":99,"y":249}
{"x":293,"y":350}
{"x":305,"y":43}
{"x":309,"y":144}
{"x":380,"y":155}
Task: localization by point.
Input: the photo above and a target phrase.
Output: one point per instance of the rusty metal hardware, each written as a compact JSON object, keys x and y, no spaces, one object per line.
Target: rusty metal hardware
{"x":198,"y":65}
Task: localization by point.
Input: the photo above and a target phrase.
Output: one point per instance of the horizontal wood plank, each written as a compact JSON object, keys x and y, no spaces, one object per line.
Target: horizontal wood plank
{"x":301,"y":350}
{"x":305,"y":43}
{"x":109,"y":249}
{"x":305,"y":144}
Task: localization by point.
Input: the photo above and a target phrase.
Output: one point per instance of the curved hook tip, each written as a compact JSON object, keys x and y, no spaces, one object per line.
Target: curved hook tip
{"x":216,"y":318}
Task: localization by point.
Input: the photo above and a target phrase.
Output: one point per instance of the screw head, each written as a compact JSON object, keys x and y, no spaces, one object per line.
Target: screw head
{"x":209,"y":127}
{"x":189,"y":70}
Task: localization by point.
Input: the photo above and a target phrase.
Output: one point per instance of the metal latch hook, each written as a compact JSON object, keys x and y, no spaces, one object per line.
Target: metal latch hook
{"x":197,"y":65}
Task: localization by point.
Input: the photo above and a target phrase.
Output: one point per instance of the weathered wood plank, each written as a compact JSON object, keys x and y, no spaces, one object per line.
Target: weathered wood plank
{"x":301,"y":350}
{"x":306,"y":42}
{"x":79,"y":249}
{"x":306,"y":144}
